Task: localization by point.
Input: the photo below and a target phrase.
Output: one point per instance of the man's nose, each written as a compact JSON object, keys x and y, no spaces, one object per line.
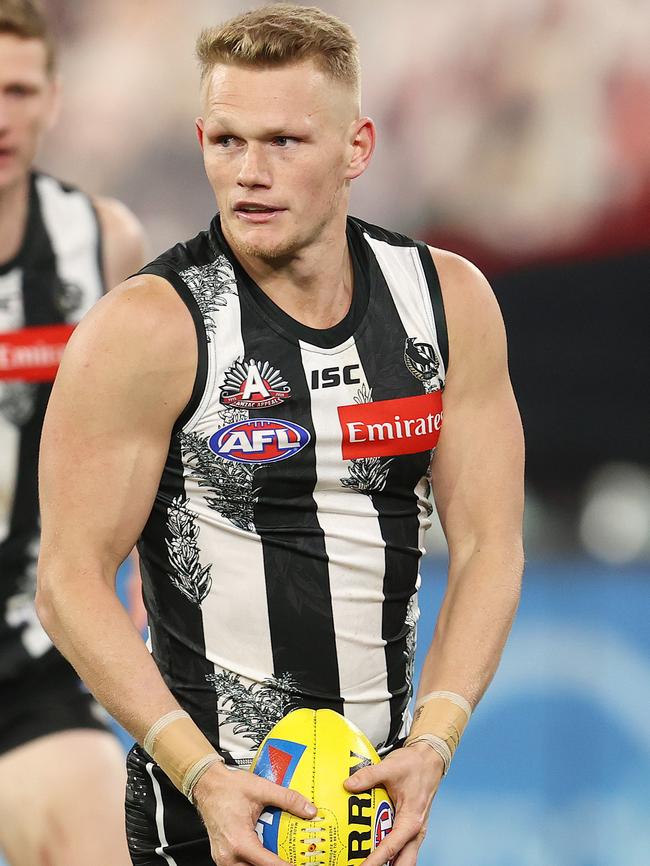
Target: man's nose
{"x":254,"y":169}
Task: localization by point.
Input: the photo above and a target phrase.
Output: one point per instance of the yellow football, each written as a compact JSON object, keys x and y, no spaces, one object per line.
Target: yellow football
{"x":314,"y":752}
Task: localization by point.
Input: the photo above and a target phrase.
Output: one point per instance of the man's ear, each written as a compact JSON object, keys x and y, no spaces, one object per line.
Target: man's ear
{"x":362,"y":141}
{"x":199,"y":130}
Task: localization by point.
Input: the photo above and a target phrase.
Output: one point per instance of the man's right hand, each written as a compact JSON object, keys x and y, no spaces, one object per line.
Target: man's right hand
{"x":230,"y":803}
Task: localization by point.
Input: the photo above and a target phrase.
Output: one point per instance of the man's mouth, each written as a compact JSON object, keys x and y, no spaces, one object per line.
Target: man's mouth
{"x":256,"y":212}
{"x":255,"y":207}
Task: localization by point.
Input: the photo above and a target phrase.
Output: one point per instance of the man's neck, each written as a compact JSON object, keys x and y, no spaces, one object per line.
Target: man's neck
{"x":314,"y":286}
{"x":14,"y":203}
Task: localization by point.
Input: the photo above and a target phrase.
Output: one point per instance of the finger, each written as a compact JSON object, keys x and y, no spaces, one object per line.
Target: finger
{"x":409,"y":854}
{"x":366,"y":778}
{"x":402,"y":833}
{"x":287,"y":800}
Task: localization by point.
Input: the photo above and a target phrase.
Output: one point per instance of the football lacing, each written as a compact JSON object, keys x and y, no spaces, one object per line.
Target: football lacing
{"x":312,"y":839}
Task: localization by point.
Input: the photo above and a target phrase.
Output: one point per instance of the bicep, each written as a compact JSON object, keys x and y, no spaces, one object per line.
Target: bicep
{"x":106,"y":435}
{"x":477,"y":470}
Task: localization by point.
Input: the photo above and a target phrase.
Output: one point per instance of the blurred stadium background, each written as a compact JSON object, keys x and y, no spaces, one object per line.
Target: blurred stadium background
{"x":516,"y":132}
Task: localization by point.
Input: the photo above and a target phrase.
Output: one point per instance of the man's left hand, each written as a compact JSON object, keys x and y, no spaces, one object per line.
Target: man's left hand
{"x":411,"y":776}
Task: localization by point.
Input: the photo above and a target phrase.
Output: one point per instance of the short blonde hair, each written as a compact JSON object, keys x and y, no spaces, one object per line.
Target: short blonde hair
{"x":26,"y":19}
{"x":280,"y":34}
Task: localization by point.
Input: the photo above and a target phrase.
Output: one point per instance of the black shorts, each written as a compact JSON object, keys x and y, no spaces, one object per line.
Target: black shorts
{"x":161,"y":824}
{"x":46,"y":698}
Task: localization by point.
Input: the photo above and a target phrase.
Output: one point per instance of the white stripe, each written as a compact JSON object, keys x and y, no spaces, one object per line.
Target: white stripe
{"x":72,"y":228}
{"x":402,"y":268}
{"x":11,"y":393}
{"x":12,"y":316}
{"x":160,"y":817}
{"x":235,"y":614}
{"x":355,"y":550}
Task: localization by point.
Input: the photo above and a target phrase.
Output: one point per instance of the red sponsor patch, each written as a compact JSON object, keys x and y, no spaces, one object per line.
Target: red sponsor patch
{"x":390,"y":427}
{"x":33,"y":354}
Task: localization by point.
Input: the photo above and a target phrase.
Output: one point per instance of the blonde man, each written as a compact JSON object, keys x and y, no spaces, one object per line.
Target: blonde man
{"x":60,"y":769}
{"x":264,"y":402}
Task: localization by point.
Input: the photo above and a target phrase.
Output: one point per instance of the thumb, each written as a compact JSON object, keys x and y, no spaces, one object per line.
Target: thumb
{"x":364,"y":779}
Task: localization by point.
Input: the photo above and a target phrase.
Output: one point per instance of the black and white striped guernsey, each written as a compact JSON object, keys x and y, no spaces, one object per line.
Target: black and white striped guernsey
{"x":44,"y":290}
{"x":280,"y":560}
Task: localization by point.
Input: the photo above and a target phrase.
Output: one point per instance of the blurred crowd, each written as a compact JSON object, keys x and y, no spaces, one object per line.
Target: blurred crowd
{"x":516,"y":128}
{"x":517,"y":121}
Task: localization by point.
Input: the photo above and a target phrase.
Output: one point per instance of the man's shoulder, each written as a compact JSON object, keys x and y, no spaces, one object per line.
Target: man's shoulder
{"x":379,"y":233}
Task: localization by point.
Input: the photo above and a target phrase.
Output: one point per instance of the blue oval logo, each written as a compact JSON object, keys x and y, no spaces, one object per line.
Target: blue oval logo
{"x":259,"y":440}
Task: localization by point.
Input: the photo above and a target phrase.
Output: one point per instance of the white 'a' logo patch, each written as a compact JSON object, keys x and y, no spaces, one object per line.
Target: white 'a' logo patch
{"x":253,"y":384}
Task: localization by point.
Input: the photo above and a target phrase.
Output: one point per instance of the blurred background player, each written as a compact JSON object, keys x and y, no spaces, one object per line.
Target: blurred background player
{"x":61,"y":771}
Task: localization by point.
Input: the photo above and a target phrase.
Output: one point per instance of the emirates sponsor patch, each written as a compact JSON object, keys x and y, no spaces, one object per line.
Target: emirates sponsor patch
{"x":387,"y":428}
{"x":33,"y":354}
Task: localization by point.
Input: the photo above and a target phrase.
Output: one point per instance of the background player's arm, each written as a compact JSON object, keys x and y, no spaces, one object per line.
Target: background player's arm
{"x":477,"y":476}
{"x":123,"y":241}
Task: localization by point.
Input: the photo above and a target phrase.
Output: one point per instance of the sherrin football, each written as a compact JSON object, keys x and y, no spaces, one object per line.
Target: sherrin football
{"x":314,"y":752}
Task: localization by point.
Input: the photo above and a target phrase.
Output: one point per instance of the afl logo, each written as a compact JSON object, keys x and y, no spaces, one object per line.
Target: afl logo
{"x":383,"y":822}
{"x":259,"y":440}
{"x":420,"y":359}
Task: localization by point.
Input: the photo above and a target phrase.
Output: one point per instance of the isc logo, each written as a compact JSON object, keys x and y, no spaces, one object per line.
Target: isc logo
{"x":259,"y":440}
{"x":330,"y":377}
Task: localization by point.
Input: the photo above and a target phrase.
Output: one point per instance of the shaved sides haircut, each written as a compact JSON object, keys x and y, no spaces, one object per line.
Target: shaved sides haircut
{"x":281,"y":34}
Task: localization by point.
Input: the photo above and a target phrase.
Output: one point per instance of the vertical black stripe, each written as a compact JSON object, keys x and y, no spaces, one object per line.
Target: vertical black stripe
{"x":101,"y":269}
{"x":381,"y":349}
{"x":176,"y":622}
{"x":295,"y":561}
{"x":435,"y":293}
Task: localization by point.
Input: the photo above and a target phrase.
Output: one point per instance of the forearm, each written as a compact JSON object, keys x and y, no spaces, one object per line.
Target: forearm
{"x":474,"y":622}
{"x":89,"y":626}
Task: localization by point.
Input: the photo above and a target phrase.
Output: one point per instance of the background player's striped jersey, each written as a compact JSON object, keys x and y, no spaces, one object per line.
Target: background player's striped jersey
{"x":44,"y":290}
{"x":280,"y":560}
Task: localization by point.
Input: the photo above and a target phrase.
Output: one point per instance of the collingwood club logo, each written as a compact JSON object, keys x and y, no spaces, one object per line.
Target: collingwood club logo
{"x":251,"y":385}
{"x":420,"y":359}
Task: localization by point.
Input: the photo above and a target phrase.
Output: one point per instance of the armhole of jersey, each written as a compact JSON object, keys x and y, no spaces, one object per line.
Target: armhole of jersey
{"x":435,"y":292}
{"x":100,"y":246}
{"x":169,"y":274}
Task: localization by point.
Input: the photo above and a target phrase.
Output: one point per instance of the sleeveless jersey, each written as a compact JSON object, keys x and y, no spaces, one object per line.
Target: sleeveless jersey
{"x":280,"y":559}
{"x":52,"y":282}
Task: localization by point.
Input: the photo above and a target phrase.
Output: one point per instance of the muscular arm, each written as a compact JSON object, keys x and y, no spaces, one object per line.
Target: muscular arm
{"x":477,"y":475}
{"x":126,"y":375}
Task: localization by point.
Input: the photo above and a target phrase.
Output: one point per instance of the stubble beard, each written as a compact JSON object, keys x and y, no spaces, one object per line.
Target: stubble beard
{"x":286,"y":249}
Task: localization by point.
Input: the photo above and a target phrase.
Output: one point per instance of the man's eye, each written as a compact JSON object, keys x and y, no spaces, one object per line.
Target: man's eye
{"x":225,"y":140}
{"x":20,"y":90}
{"x":283,"y":140}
